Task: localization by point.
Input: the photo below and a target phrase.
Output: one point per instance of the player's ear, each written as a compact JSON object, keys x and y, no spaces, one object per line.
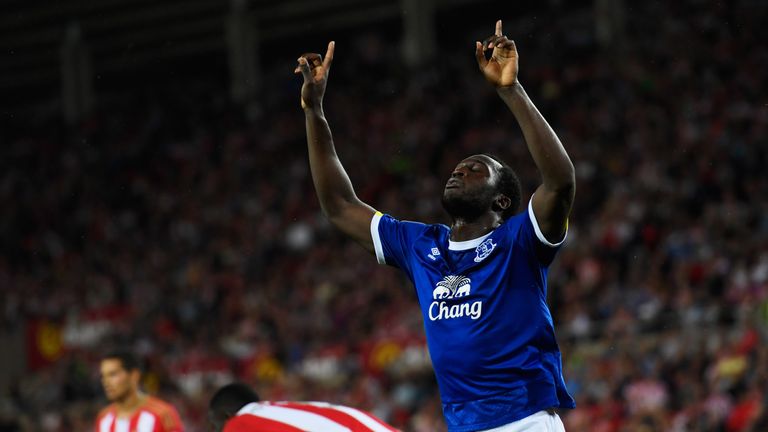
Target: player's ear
{"x":501,"y":203}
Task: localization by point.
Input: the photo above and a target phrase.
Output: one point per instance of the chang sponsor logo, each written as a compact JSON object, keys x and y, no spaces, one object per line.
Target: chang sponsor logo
{"x":451,"y":288}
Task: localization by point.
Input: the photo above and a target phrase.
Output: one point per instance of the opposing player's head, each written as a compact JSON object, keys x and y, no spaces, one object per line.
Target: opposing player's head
{"x":479,"y":184}
{"x":227,"y":401}
{"x":120,"y":375}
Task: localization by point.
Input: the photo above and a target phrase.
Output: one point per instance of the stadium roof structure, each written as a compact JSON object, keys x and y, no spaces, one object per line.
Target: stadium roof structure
{"x":123,"y":31}
{"x":131,"y":34}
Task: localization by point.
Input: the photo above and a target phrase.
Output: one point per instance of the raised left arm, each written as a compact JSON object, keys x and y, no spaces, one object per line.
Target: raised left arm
{"x":553,"y":199}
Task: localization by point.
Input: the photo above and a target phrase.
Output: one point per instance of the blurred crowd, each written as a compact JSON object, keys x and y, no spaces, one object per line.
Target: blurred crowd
{"x":182,"y":226}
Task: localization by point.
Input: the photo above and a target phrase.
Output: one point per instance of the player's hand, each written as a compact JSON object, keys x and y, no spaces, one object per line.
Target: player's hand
{"x":315,"y":72}
{"x":501,"y":69}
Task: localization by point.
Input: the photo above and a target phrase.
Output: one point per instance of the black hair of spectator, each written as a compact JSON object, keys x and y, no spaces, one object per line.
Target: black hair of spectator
{"x":509,"y":185}
{"x":129,"y":360}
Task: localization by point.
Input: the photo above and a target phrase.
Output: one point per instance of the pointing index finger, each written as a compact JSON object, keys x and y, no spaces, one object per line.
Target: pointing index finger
{"x":498,"y":28}
{"x":329,"y":55}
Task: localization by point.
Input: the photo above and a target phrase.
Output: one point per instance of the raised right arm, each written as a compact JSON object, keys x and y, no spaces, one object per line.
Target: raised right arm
{"x":334,"y":189}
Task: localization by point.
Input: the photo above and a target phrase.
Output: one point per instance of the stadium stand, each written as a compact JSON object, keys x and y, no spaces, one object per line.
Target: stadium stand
{"x":170,"y":222}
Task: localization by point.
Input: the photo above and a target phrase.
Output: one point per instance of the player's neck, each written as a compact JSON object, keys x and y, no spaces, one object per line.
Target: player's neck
{"x":464,"y":229}
{"x":128,"y":405}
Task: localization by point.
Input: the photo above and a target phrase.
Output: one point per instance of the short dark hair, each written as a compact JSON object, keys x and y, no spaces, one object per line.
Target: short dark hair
{"x":508,"y":185}
{"x":128,"y":359}
{"x":228,"y":400}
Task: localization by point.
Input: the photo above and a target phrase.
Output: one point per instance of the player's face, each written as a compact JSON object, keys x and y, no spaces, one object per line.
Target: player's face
{"x":117,"y":382}
{"x":471,"y":189}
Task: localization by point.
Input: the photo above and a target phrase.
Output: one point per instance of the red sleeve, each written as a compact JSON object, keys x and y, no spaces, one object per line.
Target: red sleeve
{"x":251,"y":423}
{"x":169,"y":421}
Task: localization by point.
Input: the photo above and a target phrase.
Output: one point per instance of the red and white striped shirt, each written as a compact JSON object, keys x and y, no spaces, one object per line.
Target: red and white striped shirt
{"x":303,"y":417}
{"x":153,"y":415}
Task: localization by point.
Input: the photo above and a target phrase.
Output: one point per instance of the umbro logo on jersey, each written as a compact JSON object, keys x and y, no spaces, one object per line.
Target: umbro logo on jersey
{"x":453,"y":287}
{"x":435,"y":253}
{"x":484,"y":249}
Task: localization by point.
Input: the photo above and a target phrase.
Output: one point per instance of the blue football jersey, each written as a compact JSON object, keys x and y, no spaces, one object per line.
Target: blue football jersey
{"x":489,"y":330}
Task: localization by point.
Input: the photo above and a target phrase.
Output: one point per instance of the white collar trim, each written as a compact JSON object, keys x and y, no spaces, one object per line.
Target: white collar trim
{"x":467,"y":244}
{"x":249,"y":408}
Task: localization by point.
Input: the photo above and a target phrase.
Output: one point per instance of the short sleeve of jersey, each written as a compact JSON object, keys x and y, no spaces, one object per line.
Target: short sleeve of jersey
{"x":392,"y":240}
{"x":170,"y":421}
{"x":531,"y":238}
